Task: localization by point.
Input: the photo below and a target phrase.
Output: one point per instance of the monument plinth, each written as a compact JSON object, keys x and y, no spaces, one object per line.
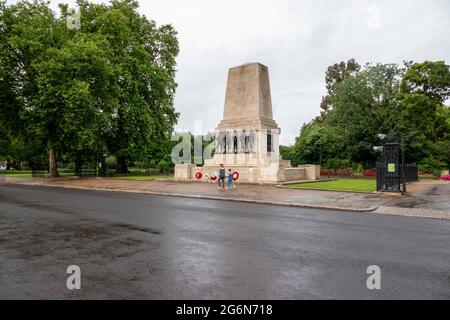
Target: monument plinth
{"x":247,"y":137}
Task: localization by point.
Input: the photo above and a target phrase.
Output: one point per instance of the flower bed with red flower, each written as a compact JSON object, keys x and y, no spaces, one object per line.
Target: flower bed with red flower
{"x":370,"y":173}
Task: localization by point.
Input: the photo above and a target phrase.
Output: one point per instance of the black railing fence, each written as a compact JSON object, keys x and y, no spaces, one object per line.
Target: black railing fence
{"x":411,"y":173}
{"x":87,"y":172}
{"x":39,"y":170}
{"x":391,"y":163}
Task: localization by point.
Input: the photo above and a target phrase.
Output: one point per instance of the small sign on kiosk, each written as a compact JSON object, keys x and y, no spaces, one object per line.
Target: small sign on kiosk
{"x":391,"y":167}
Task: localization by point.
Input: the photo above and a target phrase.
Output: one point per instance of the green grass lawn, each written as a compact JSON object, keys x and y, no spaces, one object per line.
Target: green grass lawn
{"x":342,"y":184}
{"x":66,"y":174}
{"x":143,"y":178}
{"x":27,"y":174}
{"x":18,"y":174}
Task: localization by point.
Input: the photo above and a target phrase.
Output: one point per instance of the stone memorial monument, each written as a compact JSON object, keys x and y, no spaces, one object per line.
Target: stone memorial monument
{"x":247,"y":137}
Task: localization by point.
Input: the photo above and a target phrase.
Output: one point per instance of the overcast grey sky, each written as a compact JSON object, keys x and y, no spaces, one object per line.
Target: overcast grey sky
{"x":297,"y":40}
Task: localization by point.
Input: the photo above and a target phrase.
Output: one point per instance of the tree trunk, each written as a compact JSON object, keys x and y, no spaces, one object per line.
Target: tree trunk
{"x":121,"y":166}
{"x":78,"y":163}
{"x":9,"y":164}
{"x":53,"y":170}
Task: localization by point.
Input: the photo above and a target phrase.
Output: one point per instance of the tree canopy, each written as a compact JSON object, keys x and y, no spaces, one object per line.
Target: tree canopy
{"x":110,"y":83}
{"x":409,"y":100}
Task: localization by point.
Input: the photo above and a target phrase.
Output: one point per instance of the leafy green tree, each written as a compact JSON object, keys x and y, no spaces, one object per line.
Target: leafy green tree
{"x":317,"y":141}
{"x":409,"y":100}
{"x":424,"y":124}
{"x":74,"y":102}
{"x":365,"y":105}
{"x":334,"y":75}
{"x":287,"y":152}
{"x":143,"y":56}
{"x":28,"y":30}
{"x":428,"y":78}
{"x":111,"y":83}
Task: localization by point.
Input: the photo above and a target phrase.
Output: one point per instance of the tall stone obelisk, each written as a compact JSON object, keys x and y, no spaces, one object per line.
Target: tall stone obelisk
{"x":247,"y":137}
{"x":248,"y":102}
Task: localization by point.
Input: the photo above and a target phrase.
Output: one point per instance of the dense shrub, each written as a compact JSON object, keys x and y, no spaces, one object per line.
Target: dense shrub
{"x":111,"y":162}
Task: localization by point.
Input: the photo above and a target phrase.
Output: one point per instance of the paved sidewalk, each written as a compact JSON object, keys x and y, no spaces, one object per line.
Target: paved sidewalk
{"x":250,"y":193}
{"x":434,"y":195}
{"x":425,"y":199}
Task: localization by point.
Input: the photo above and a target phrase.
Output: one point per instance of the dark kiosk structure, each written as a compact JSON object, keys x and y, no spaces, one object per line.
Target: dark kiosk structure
{"x":392,"y":171}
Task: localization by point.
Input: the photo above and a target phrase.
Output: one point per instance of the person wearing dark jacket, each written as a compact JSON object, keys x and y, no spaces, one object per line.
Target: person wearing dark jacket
{"x":221,"y":177}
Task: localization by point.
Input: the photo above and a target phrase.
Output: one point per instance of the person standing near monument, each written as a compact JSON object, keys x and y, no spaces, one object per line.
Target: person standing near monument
{"x":221,"y":177}
{"x":230,"y":181}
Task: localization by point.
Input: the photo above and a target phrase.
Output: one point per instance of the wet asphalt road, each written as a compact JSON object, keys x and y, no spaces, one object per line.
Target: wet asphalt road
{"x":154,"y":247}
